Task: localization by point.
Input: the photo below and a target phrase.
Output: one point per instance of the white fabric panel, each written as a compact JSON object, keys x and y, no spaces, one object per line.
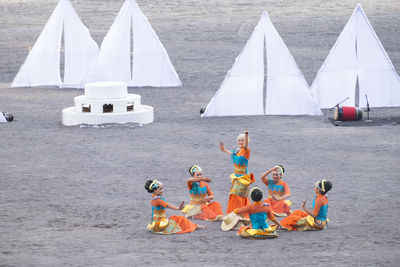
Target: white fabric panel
{"x":42,"y":66}
{"x":2,"y":118}
{"x":79,"y":48}
{"x":113,"y":60}
{"x":377,"y":76}
{"x":287,"y":90}
{"x":382,"y":88}
{"x":241,"y":93}
{"x":334,"y":87}
{"x":336,"y":78}
{"x":151,"y":64}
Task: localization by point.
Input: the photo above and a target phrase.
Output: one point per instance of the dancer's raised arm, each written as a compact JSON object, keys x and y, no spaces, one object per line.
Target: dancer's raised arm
{"x":246,"y":138}
{"x":223,"y":149}
{"x":265,"y":174}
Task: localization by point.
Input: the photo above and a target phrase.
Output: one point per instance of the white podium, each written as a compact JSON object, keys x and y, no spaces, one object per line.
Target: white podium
{"x":107,"y":102}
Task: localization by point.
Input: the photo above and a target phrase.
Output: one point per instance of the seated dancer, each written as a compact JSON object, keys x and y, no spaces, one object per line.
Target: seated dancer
{"x":240,"y":179}
{"x":311,"y":220}
{"x":259,"y":212}
{"x":159,"y":223}
{"x":278,"y":191}
{"x":201,"y":204}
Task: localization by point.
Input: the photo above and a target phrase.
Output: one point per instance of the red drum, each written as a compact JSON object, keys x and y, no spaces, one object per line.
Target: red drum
{"x":348,"y":114}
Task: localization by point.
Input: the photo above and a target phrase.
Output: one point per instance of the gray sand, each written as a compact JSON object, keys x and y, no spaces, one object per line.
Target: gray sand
{"x":73,"y":196}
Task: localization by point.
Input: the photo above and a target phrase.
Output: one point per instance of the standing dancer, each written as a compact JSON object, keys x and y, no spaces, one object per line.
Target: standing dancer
{"x":311,"y":220}
{"x":278,"y":191}
{"x":201,"y":204}
{"x":240,"y":179}
{"x":159,"y":223}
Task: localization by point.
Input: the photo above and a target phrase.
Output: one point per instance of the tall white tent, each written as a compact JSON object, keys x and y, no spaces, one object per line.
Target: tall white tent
{"x":242,"y":91}
{"x":151,"y":65}
{"x":357,"y":54}
{"x":42,"y":66}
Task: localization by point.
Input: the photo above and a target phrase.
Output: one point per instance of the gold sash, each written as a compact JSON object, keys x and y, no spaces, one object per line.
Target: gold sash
{"x":158,"y":225}
{"x":240,"y":185}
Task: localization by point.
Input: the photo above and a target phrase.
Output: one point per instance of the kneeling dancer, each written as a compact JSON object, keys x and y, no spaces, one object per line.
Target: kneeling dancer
{"x":278,"y":191}
{"x":308,"y":220}
{"x":201,"y":204}
{"x":160,"y":224}
{"x":258,"y":211}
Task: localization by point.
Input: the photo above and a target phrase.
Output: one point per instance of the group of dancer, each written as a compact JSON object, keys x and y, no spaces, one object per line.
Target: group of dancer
{"x":248,"y":219}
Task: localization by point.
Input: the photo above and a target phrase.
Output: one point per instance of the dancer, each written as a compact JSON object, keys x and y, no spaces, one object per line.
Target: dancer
{"x":259,"y":212}
{"x":311,"y":220}
{"x":160,"y":224}
{"x":278,"y":191}
{"x":259,"y":228}
{"x":241,"y":179}
{"x":201,"y":204}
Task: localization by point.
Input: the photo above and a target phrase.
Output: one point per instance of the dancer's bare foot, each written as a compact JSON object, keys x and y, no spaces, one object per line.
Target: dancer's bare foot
{"x":238,"y":226}
{"x":201,"y":227}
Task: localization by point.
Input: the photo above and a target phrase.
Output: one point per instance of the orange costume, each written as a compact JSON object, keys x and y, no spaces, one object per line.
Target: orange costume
{"x":301,"y":221}
{"x":259,"y":228}
{"x":241,"y":180}
{"x":279,"y":207}
{"x":161,"y":225}
{"x":198,"y":206}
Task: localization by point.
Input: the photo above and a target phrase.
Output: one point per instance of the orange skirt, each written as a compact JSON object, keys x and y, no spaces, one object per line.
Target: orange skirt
{"x":185,"y":225}
{"x":291,"y":220}
{"x":278,"y":207}
{"x":236,"y":202}
{"x":212,"y":211}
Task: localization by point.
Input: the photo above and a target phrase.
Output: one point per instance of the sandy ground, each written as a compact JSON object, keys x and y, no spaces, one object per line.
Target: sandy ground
{"x":73,"y":196}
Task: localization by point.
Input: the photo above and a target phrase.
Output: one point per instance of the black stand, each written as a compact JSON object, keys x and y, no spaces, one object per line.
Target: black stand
{"x":367,"y":120}
{"x":337,"y":105}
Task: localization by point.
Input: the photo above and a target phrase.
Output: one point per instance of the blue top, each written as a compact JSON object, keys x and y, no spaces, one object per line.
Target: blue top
{"x":323,"y":212}
{"x":258,"y":220}
{"x":197,"y":189}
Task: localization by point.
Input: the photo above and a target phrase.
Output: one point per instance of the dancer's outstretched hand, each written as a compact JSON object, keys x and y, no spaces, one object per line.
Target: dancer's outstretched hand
{"x":182,"y":205}
{"x":222,"y":146}
{"x":303,"y":205}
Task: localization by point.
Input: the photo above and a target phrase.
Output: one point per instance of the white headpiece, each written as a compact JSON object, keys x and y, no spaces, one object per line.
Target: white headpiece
{"x":155,"y":184}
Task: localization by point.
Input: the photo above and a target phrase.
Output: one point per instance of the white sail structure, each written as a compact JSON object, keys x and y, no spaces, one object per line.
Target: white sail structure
{"x":42,"y":66}
{"x":150,"y":66}
{"x":241,"y":93}
{"x":357,"y":55}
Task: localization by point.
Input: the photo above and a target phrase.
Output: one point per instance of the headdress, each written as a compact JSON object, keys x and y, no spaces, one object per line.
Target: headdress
{"x":321,"y":185}
{"x":195,"y":168}
{"x":155,"y":184}
{"x":280,"y":169}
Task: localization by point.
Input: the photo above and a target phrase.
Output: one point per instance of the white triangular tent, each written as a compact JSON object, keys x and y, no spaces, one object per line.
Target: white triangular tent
{"x":42,"y":66}
{"x":151,"y":65}
{"x":357,"y":54}
{"x":241,"y":93}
